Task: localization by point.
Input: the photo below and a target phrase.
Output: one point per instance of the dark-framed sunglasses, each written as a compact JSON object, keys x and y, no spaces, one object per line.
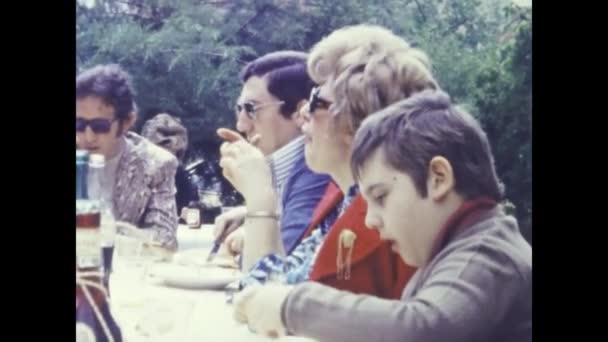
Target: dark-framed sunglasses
{"x":98,"y":126}
{"x":251,"y":108}
{"x":315,"y":101}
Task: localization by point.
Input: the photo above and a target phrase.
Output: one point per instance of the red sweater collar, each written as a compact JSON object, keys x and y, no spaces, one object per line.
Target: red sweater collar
{"x":468,"y":212}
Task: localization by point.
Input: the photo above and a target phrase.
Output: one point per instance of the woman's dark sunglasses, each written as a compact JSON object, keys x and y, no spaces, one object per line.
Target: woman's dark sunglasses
{"x":98,"y":126}
{"x":315,"y":101}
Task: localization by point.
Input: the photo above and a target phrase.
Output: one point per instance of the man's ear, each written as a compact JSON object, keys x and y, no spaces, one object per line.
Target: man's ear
{"x":300,"y":104}
{"x":298,"y":115}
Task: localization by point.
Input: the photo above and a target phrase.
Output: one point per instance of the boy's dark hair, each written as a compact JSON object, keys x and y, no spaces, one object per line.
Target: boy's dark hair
{"x":413,"y":131}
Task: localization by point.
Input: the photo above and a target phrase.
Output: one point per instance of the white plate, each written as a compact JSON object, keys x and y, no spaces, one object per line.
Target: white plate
{"x":190,"y":277}
{"x":198,"y":258}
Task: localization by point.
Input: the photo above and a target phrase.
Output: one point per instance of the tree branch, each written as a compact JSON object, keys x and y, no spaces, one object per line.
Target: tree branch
{"x":255,"y":16}
{"x":420,"y":10}
{"x":194,"y":50}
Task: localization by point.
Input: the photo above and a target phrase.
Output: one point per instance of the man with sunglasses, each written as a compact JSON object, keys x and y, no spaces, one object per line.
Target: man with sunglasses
{"x":275,"y":87}
{"x":139,"y":174}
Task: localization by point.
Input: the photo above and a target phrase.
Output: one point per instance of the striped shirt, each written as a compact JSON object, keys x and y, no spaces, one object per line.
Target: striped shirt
{"x":281,"y":162}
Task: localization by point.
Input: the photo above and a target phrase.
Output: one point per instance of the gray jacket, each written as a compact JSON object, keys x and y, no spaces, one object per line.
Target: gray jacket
{"x":477,"y":288}
{"x":144,"y":192}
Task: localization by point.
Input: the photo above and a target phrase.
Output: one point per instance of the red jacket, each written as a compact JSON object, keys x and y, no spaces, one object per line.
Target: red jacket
{"x":375,"y":268}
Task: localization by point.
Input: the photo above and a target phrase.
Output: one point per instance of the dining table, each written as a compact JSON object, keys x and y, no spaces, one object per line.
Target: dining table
{"x":148,"y":310}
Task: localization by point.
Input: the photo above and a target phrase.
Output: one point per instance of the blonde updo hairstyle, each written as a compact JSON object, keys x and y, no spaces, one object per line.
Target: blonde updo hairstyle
{"x":369,"y":68}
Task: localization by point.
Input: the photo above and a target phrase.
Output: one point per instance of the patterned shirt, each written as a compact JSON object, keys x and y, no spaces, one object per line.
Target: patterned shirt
{"x":144,"y":190}
{"x":297,"y":266}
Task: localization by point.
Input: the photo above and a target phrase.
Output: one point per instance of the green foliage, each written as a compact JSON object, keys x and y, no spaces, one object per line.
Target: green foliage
{"x":185,"y":56}
{"x":503,"y":97}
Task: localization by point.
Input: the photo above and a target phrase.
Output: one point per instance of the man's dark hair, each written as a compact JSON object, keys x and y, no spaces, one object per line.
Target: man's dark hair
{"x":111,"y":84}
{"x":287,"y":77}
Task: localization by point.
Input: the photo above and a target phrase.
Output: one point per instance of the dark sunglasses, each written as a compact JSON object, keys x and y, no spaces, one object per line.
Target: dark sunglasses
{"x":250,"y":108}
{"x":315,"y":101}
{"x":98,"y":126}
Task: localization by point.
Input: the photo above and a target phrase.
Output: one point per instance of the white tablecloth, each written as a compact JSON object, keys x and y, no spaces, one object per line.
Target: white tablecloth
{"x":190,"y":315}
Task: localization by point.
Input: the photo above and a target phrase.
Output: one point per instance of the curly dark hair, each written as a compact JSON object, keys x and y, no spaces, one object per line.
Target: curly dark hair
{"x":111,"y":84}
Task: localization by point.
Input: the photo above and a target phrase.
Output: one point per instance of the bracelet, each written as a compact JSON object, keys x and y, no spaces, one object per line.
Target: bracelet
{"x":262,"y":214}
